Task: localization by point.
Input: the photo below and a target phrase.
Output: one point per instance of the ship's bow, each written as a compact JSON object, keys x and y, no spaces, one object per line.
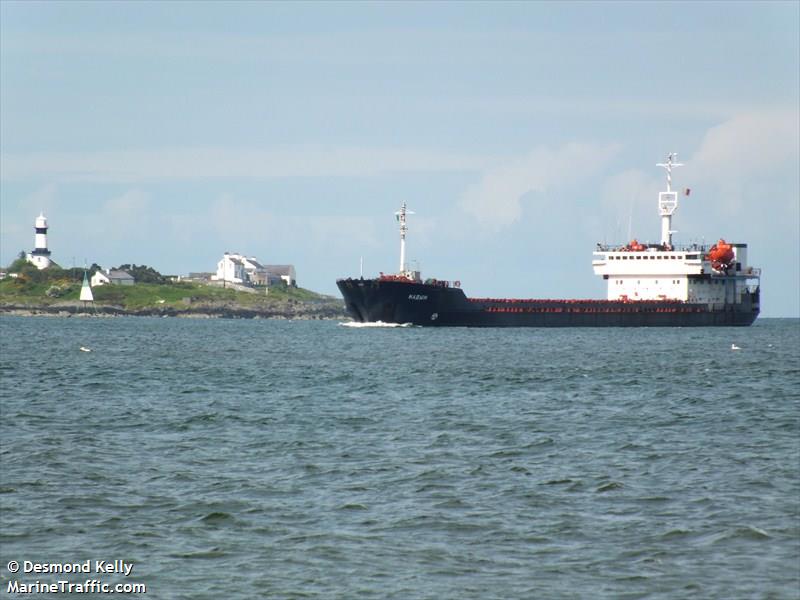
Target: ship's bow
{"x":354,"y":298}
{"x":396,"y":300}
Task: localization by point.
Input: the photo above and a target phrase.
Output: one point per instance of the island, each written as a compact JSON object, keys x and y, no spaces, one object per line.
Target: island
{"x":56,"y":291}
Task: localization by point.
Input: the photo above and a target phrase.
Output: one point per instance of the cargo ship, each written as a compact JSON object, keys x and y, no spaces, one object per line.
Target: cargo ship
{"x":649,"y":285}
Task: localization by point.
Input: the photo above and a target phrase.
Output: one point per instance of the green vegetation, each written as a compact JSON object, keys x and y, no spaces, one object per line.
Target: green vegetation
{"x":183,"y":294}
{"x":147,"y":295}
{"x":142,"y":273}
{"x":33,"y":287}
{"x":53,"y":283}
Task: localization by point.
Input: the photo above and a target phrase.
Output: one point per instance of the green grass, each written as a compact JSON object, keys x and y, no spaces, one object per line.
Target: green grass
{"x":145,"y":295}
{"x":29,"y":291}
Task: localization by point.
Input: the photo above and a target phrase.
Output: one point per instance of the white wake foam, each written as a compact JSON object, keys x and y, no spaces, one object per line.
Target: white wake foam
{"x":374,"y":324}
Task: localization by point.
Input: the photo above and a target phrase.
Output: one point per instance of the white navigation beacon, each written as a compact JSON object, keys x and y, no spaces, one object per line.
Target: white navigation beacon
{"x":668,"y":201}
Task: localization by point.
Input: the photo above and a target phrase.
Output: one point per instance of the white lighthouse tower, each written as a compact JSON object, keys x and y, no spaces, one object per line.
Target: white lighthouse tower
{"x":40,"y":255}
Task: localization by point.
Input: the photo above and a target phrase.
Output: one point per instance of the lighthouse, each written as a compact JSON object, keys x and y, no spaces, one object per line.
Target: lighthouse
{"x":40,"y":255}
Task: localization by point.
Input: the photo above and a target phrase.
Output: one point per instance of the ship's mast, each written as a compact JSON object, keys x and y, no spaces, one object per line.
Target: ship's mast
{"x":668,"y":201}
{"x":401,"y":218}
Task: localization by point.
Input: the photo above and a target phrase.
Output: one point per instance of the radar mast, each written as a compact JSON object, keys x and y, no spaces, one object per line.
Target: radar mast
{"x":668,"y":201}
{"x":401,"y":218}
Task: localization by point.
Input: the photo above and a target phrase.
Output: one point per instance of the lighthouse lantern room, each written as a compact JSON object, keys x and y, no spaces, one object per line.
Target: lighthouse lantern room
{"x":40,"y":256}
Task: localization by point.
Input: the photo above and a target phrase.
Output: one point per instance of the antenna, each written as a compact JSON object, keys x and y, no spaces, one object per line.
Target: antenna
{"x":669,"y":166}
{"x":630,"y":220}
{"x":401,"y":218}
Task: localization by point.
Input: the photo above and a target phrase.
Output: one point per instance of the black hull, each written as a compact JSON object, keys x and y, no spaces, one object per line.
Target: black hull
{"x":392,"y":301}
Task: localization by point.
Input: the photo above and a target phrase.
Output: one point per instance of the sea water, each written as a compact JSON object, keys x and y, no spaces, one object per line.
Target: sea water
{"x":278,"y":459}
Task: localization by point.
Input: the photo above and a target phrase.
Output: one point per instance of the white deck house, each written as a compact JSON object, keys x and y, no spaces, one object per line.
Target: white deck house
{"x":665,"y":272}
{"x":678,"y":274}
{"x":246,"y":270}
{"x":112,"y":277}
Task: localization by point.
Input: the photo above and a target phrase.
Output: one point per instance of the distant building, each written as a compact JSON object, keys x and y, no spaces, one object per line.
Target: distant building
{"x":230,"y":269}
{"x":284,"y":273}
{"x":198,"y":276}
{"x":254,"y":271}
{"x":237,"y":268}
{"x":40,"y":256}
{"x":112,"y":277}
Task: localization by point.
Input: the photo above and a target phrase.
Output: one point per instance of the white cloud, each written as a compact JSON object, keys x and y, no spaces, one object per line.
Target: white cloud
{"x":629,"y":206}
{"x":496,"y":201}
{"x":623,"y":189}
{"x":18,"y":233}
{"x":121,"y":222}
{"x":43,"y":198}
{"x":749,"y":163}
{"x":754,"y":143}
{"x":126,"y":209}
{"x":237,"y":224}
{"x":212,"y":162}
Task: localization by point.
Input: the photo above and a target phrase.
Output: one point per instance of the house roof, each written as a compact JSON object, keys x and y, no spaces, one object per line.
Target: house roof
{"x":252,"y":261}
{"x":119,"y":275}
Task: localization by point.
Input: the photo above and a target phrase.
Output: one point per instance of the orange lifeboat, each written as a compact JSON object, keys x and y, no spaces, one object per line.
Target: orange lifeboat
{"x":721,"y":255}
{"x":635,"y":246}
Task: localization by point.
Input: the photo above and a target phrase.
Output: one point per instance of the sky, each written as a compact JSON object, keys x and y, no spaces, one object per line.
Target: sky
{"x":520,"y":134}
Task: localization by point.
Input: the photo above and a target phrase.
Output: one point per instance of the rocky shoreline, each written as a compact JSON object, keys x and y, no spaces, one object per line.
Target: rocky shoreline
{"x":291,"y":309}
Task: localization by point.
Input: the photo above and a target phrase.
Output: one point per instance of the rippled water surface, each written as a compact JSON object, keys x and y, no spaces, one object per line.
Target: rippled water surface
{"x":245,"y":459}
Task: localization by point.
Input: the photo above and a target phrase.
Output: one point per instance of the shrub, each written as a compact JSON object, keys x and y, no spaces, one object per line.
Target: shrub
{"x":143,"y":273}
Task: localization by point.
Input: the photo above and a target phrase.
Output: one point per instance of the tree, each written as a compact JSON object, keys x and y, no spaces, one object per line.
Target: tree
{"x":18,"y":264}
{"x":143,"y":273}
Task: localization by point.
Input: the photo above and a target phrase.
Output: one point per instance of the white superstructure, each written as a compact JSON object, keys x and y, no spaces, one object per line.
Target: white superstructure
{"x":716,"y":275}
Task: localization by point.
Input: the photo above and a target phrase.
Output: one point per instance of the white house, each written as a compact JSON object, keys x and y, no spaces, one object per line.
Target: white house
{"x":231,"y":269}
{"x":237,"y":268}
{"x":112,"y":277}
